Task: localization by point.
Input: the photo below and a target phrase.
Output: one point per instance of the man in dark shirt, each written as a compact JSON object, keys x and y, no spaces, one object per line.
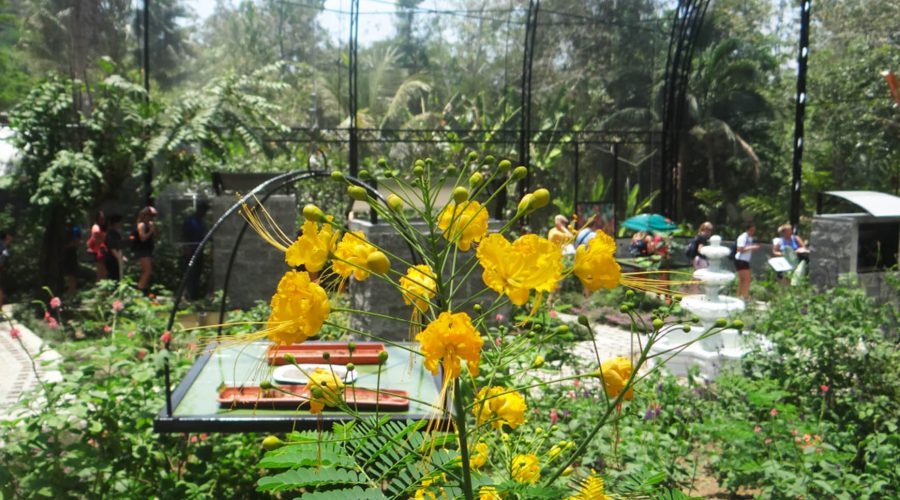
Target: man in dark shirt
{"x":114,"y":257}
{"x":192,"y":232}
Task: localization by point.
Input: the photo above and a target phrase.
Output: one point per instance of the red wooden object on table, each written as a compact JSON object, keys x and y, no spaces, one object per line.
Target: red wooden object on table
{"x":298,"y":397}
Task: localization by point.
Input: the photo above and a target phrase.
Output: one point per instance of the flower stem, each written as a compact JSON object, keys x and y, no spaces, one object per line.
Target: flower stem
{"x":463,"y":445}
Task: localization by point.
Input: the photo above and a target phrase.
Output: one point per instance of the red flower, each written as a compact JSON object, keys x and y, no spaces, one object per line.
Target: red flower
{"x":498,"y":317}
{"x":166,"y":337}
{"x":757,"y":428}
{"x":117,"y":305}
{"x":52,"y":323}
{"x":773,"y":412}
{"x":141,"y":354}
{"x":55,"y":303}
{"x":824,"y":388}
{"x":554,"y":416}
{"x":553,"y":314}
{"x":107,"y":328}
{"x":14,"y":332}
{"x":47,"y":316}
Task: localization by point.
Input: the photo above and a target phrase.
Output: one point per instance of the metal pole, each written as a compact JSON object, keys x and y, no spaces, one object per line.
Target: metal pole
{"x":352,"y":91}
{"x":615,"y":187}
{"x":802,"y":57}
{"x":577,"y":175}
{"x":148,"y":166}
{"x":527,"y":60}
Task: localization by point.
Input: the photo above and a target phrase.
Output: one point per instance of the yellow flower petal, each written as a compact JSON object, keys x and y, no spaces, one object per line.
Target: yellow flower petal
{"x":448,"y":339}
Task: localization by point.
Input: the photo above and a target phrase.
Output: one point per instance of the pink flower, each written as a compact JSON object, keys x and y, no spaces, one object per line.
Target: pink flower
{"x":576,"y":382}
{"x":823,"y":388}
{"x":498,"y":341}
{"x":499,"y":317}
{"x":117,"y":305}
{"x":47,"y":316}
{"x":14,"y":332}
{"x":194,"y":439}
{"x":793,"y":432}
{"x":756,"y":429}
{"x":773,"y":412}
{"x":554,"y":416}
{"x":553,"y":314}
{"x":768,"y":441}
{"x":166,"y":337}
{"x":107,"y":328}
{"x":131,"y":334}
{"x":141,"y":354}
{"x":572,"y":395}
{"x":55,"y":303}
{"x":52,"y":324}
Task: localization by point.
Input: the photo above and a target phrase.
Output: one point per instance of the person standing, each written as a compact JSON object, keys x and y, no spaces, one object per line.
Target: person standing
{"x":96,"y":244}
{"x":788,"y":240}
{"x":559,"y":234}
{"x":744,"y":253}
{"x":5,"y":240}
{"x":192,"y":232}
{"x":144,"y":236}
{"x":693,"y":251}
{"x":114,"y":257}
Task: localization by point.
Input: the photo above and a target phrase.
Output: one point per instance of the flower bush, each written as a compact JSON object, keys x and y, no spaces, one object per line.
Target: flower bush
{"x":478,"y":440}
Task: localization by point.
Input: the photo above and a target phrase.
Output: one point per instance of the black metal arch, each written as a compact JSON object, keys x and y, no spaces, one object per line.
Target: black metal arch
{"x":686,"y":23}
{"x":264,"y":189}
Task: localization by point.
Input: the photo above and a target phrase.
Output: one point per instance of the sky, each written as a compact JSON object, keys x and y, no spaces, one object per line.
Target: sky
{"x":376,"y":17}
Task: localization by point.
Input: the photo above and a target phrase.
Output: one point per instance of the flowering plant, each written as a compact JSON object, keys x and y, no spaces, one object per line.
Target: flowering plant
{"x":472,"y":444}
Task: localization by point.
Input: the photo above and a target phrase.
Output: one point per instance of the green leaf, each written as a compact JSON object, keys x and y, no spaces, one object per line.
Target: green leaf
{"x":308,"y":477}
{"x":355,"y":493}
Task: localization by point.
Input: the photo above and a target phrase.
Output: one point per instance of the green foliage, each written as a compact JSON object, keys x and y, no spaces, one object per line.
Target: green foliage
{"x":91,"y":435}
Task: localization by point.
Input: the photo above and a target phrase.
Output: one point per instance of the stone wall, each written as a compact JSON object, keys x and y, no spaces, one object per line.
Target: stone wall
{"x":377,"y":296}
{"x":257,"y":266}
{"x":832,"y":245}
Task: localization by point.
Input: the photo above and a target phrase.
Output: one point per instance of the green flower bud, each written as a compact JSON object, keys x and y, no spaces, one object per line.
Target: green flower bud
{"x":351,"y":347}
{"x":583,"y":320}
{"x":358,"y":193}
{"x":538,"y":361}
{"x":394,"y":202}
{"x":418,"y":171}
{"x":364,"y":174}
{"x":476,"y":308}
{"x":695,"y":319}
{"x":504,"y":166}
{"x":382,"y":162}
{"x":629,"y":294}
{"x":326,"y":355}
{"x":721,"y":322}
{"x":475,"y":179}
{"x":657,"y":324}
{"x":472,"y":156}
{"x":419,"y":163}
{"x":738,"y":324}
{"x":337,"y":175}
{"x":541,"y":198}
{"x":460,"y":194}
{"x":525,"y":204}
{"x":451,"y":170}
{"x":378,"y":263}
{"x":266,"y":385}
{"x":489,"y":160}
{"x":317,"y":392}
{"x":624,"y":308}
{"x":290,"y":358}
{"x":270,"y":443}
{"x":382,"y":357}
{"x":350,"y":367}
{"x":686,"y":327}
{"x":313,"y":213}
{"x":562,"y":328}
{"x":428,"y":162}
{"x":519,"y":173}
{"x":537,"y":327}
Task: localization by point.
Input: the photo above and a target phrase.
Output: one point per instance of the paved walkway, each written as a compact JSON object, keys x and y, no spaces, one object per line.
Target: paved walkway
{"x":611,"y":341}
{"x":17,"y":373}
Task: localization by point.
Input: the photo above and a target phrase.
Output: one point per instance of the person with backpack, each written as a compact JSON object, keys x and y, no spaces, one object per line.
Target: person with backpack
{"x":96,"y":244}
{"x":696,"y":243}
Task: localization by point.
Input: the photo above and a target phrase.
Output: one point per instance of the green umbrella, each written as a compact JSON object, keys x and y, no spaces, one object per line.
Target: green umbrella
{"x":650,"y":222}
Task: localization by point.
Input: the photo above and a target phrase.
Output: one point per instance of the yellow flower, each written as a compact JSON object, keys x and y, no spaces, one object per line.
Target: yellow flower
{"x":500,"y":407}
{"x":529,"y":263}
{"x":418,"y":286}
{"x":591,"y":488}
{"x":462,"y":224}
{"x":325,"y":389}
{"x":488,"y":493}
{"x":299,"y":307}
{"x":525,"y":468}
{"x":448,"y":338}
{"x":424,"y":493}
{"x":614,"y":373}
{"x":312,"y":248}
{"x":351,"y":254}
{"x":480,"y":456}
{"x":595,"y":263}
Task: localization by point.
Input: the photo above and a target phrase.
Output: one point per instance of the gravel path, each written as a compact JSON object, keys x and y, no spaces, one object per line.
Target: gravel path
{"x":17,"y":373}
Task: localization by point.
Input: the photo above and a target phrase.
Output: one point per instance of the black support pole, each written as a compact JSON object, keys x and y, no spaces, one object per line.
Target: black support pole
{"x":615,"y":187}
{"x":802,"y":57}
{"x":525,"y":110}
{"x":352,"y":90}
{"x":148,"y":166}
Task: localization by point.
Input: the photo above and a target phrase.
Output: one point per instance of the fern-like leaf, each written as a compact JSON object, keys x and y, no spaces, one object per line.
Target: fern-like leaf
{"x":309,"y":477}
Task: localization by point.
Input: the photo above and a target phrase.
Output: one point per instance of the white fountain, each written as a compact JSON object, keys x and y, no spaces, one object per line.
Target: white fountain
{"x":713,"y":352}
